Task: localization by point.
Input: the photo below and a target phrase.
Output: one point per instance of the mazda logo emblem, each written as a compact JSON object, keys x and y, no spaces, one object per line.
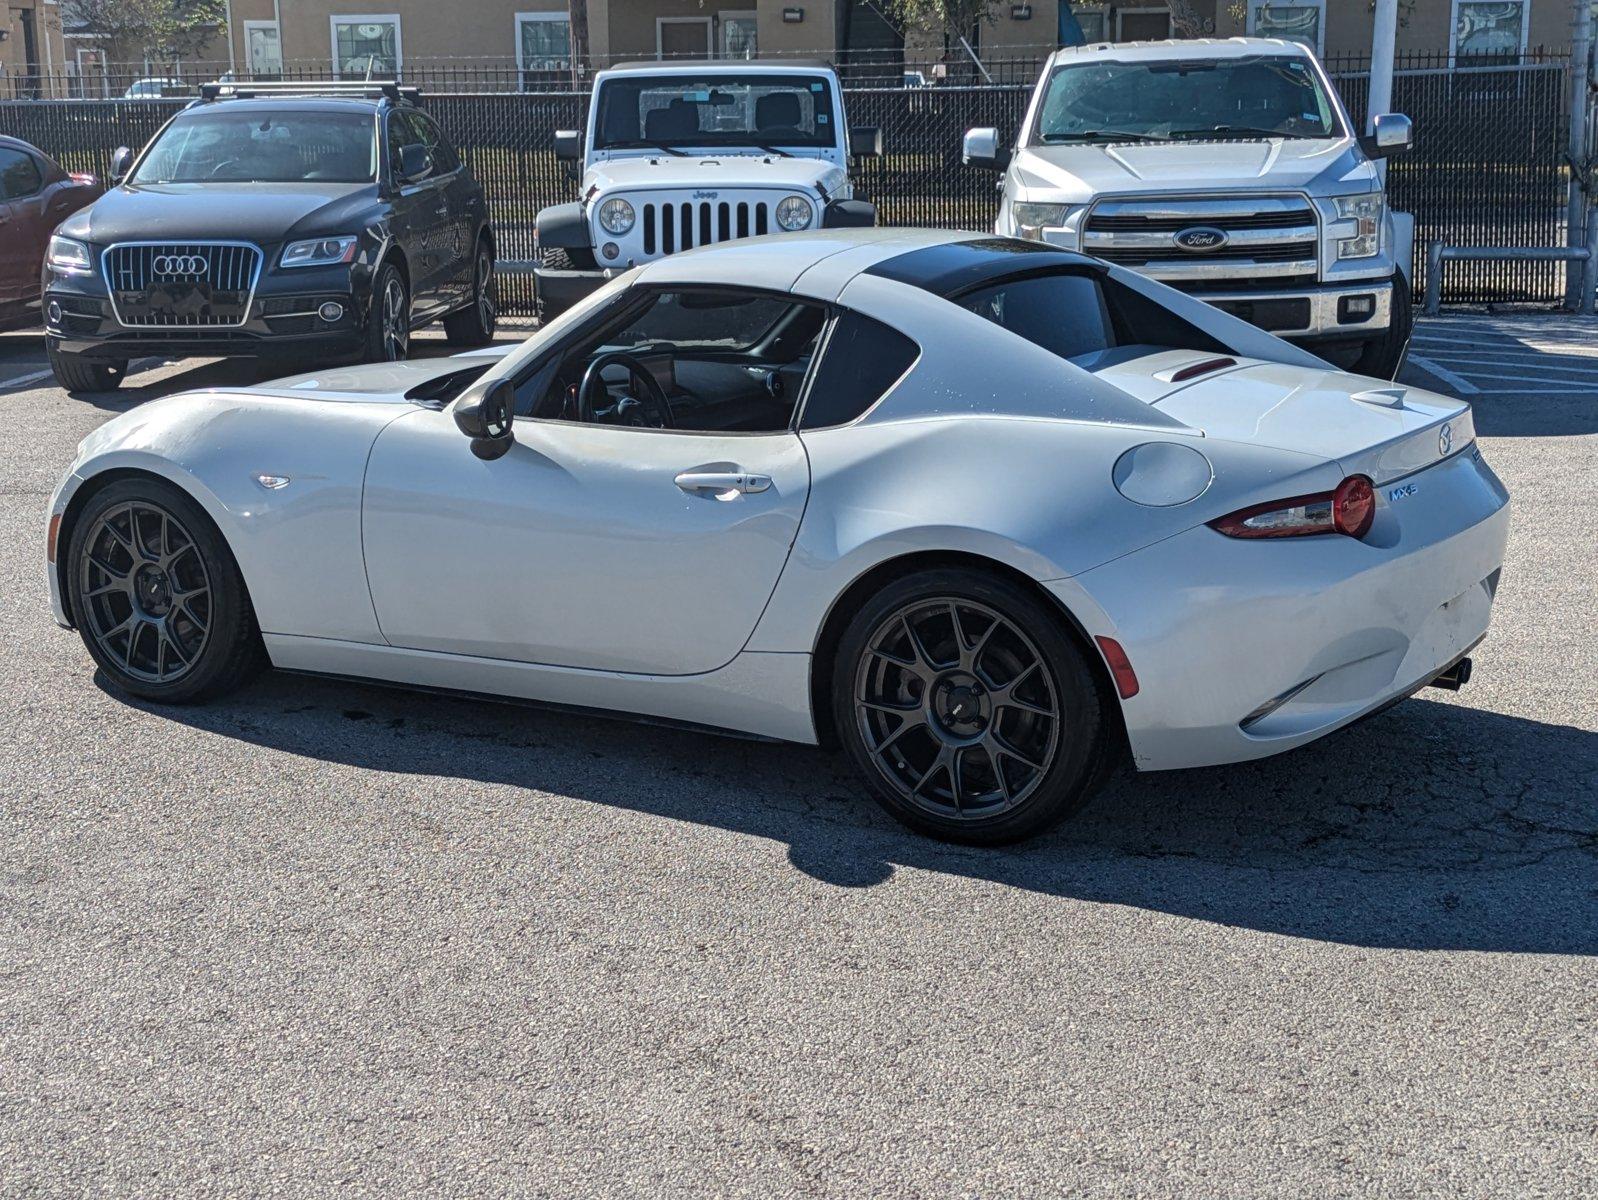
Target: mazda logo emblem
{"x":1445,"y":439}
{"x":1201,"y":238}
{"x":180,"y":266}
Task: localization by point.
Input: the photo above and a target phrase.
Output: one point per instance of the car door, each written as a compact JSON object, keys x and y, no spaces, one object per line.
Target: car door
{"x":420,"y":220}
{"x":22,"y":232}
{"x":584,"y":546}
{"x":461,"y":203}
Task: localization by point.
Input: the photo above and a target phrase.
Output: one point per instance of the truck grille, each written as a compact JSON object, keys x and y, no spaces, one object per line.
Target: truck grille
{"x":1263,"y":237}
{"x":668,"y":228}
{"x":170,"y":285}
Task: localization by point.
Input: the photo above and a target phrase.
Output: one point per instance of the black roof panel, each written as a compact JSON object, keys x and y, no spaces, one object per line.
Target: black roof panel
{"x":953,"y":268}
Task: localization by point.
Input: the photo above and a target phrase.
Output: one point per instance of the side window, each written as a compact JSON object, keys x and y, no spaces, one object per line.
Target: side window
{"x":445,"y":159}
{"x":862,"y":360}
{"x":1064,"y":314}
{"x":19,"y":175}
{"x":725,"y":361}
{"x":401,"y":133}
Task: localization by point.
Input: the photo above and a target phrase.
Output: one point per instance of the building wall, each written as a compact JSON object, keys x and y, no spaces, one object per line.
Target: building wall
{"x":49,"y":49}
{"x":1428,"y":27}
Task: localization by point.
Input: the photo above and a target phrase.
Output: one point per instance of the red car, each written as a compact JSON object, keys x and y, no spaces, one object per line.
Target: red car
{"x":36,"y":195}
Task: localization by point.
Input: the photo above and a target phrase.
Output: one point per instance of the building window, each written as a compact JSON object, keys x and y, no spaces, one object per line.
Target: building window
{"x":1303,"y":22}
{"x":682,"y":37}
{"x":366,"y":46}
{"x":1095,"y":23}
{"x":1490,"y":28}
{"x":738,"y":37}
{"x":1142,"y":24}
{"x":543,"y":47}
{"x":263,"y":48}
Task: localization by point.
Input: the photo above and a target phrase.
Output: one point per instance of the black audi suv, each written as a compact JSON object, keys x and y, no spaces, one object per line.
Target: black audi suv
{"x":273,"y":221}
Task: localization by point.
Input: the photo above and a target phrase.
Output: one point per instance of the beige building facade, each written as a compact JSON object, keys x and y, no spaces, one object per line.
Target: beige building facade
{"x":354,"y":37}
{"x":32,"y":49}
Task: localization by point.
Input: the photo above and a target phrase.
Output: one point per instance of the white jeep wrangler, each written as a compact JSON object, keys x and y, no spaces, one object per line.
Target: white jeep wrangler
{"x":684,"y":154}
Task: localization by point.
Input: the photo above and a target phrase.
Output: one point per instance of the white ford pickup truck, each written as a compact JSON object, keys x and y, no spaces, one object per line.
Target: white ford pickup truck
{"x":1228,"y":169}
{"x":683,"y":154}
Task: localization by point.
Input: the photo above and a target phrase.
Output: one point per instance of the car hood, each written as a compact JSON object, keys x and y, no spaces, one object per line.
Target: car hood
{"x":1078,"y":173}
{"x":711,"y":172}
{"x":256,"y":212}
{"x":380,"y":382}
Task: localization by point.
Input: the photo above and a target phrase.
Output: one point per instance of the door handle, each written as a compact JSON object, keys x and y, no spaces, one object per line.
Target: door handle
{"x":725,"y":484}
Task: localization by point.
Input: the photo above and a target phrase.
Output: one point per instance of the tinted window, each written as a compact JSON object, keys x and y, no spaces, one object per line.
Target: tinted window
{"x":215,"y":146}
{"x":444,"y":159}
{"x":1064,"y":314}
{"x":19,"y":175}
{"x":863,"y":359}
{"x":401,"y":133}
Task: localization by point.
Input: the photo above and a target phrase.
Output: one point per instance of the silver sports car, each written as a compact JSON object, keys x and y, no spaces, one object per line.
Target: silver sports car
{"x":986,"y":513}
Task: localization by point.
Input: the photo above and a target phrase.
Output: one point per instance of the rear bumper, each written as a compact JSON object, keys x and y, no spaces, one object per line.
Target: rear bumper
{"x":1246,"y":649}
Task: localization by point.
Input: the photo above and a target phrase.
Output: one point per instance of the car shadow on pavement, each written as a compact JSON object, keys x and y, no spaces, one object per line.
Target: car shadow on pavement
{"x":1431,"y":826}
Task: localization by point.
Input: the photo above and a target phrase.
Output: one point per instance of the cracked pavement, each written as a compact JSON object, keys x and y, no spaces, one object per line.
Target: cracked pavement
{"x":325,"y":938}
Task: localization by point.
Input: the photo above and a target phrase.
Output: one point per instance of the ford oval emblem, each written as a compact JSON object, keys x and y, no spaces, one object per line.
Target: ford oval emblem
{"x":1201,"y":239}
{"x":1445,"y":439}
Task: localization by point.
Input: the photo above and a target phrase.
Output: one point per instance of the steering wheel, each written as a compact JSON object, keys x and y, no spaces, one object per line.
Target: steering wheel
{"x":652,"y":412}
{"x":222,"y":166}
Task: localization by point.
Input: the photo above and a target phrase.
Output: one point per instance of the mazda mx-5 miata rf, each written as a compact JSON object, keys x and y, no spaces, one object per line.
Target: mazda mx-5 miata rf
{"x":985,"y":512}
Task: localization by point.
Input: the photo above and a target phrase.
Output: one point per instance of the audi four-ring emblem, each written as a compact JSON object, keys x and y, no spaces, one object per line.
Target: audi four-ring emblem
{"x":180,"y":266}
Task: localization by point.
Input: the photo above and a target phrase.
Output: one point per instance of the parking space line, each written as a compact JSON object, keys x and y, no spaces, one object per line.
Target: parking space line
{"x":24,"y":380}
{"x":1463,"y":386}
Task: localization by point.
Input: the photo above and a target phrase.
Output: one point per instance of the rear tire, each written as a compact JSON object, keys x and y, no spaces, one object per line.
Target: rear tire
{"x":79,"y":374}
{"x":1383,"y":357}
{"x":969,"y":708}
{"x":157,"y":595}
{"x":475,"y":324}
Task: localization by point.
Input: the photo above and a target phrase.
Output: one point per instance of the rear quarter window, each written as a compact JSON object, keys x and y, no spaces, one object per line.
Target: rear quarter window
{"x":862,"y":360}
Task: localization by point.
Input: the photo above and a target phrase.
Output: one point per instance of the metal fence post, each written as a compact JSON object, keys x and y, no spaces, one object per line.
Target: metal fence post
{"x":1580,"y":83}
{"x":1434,"y":279}
{"x":1589,"y":275}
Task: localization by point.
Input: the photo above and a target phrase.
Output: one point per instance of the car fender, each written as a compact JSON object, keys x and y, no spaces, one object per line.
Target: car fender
{"x":563,"y":225}
{"x":298,"y":544}
{"x":1403,"y":244}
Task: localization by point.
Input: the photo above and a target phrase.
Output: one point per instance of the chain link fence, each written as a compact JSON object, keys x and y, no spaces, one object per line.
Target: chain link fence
{"x":1488,"y":168}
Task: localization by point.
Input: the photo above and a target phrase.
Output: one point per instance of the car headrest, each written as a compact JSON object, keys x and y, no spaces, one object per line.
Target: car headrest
{"x":779,"y":110}
{"x":677,"y":121}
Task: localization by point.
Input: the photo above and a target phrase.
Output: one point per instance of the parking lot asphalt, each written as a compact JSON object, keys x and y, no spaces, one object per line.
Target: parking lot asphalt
{"x":328,"y":939}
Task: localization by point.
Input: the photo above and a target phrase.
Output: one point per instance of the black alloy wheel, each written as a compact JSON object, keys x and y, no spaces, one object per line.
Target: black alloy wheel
{"x":476,"y":324}
{"x":968,"y":708}
{"x":157,"y":596}
{"x":388,"y":325}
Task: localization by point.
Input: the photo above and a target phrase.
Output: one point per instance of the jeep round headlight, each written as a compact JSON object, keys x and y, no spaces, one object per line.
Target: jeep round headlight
{"x":616,"y":216}
{"x":793,"y":213}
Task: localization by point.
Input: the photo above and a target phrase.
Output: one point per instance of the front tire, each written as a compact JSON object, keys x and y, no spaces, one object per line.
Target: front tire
{"x":475,"y":325}
{"x":969,"y":709}
{"x":1383,"y":356}
{"x":79,"y":374}
{"x":388,"y":324}
{"x":157,"y":595}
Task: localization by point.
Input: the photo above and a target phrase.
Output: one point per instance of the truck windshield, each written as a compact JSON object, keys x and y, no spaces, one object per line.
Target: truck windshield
{"x":263,"y":147}
{"x":1266,"y":96}
{"x":753,"y":111}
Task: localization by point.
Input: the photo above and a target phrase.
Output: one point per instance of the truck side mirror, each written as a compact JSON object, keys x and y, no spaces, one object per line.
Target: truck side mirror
{"x":981,"y":149}
{"x":569,"y":145}
{"x":865,"y":141}
{"x":121,"y":160}
{"x":1394,"y":134}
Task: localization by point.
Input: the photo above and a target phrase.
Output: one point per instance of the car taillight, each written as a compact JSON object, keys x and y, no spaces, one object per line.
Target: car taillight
{"x":1348,"y":509}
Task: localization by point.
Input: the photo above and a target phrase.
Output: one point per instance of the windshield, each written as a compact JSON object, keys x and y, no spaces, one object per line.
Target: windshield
{"x":1225,"y":99}
{"x":255,"y":147}
{"x":715,"y":110}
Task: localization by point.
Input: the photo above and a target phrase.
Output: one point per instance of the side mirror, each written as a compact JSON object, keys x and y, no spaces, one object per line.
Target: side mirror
{"x":416,"y":162}
{"x":485,"y":413}
{"x":981,"y":149}
{"x":1394,"y":134}
{"x":865,"y":141}
{"x":569,"y":145}
{"x":121,"y":160}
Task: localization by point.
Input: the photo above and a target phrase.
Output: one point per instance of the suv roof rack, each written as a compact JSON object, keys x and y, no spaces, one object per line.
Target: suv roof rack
{"x":388,"y":89}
